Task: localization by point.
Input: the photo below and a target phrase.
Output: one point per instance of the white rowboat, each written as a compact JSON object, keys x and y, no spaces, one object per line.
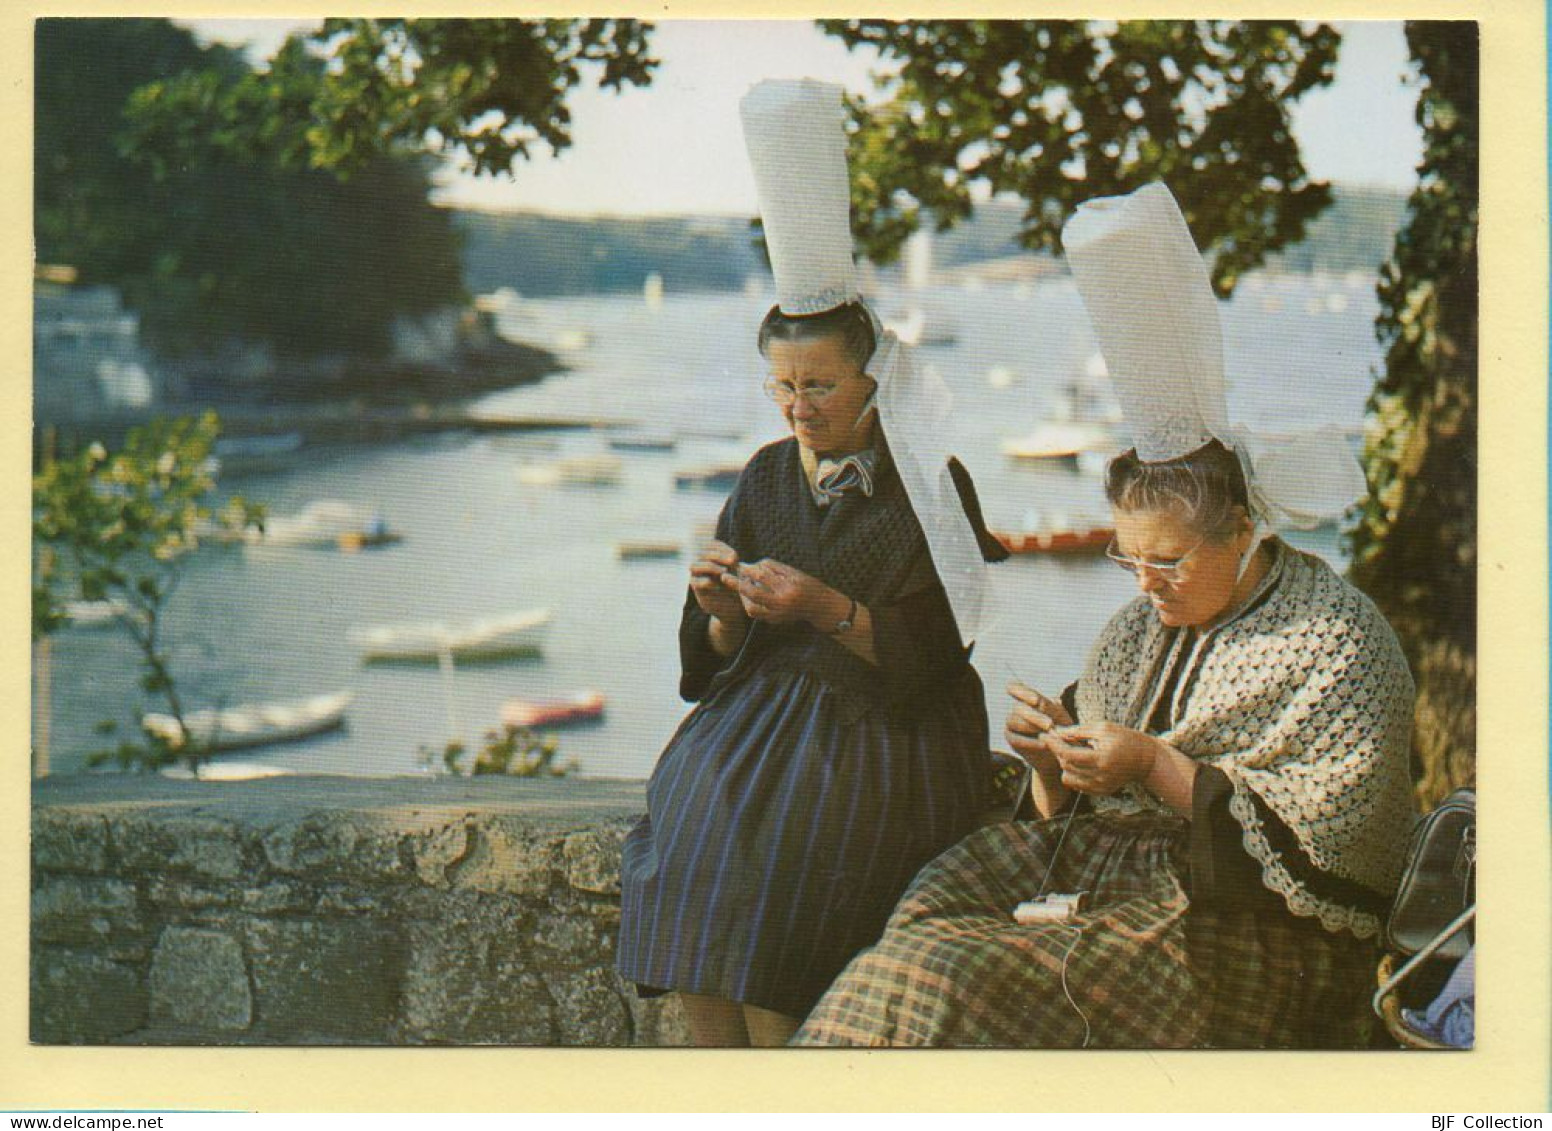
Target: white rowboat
{"x":95,"y":614}
{"x":1061,"y":440}
{"x":521,"y":634}
{"x":321,"y":523}
{"x":587,"y":471}
{"x":256,"y":724}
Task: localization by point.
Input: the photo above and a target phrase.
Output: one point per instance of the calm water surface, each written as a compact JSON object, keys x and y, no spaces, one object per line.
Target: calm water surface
{"x":271,"y":624}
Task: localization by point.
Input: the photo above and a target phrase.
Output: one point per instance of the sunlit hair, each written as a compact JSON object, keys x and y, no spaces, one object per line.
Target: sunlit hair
{"x":1204,"y":489}
{"x":851,"y":323}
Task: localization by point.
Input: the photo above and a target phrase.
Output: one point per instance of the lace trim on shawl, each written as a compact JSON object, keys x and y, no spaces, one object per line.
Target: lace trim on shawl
{"x":1275,"y":875}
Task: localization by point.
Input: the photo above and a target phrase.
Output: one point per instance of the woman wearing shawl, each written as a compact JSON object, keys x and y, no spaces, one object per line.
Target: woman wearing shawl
{"x":1226,"y":785}
{"x":840,"y":737}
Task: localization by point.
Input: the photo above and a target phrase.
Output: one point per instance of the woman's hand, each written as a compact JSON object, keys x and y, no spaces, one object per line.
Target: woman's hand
{"x":708,"y":574}
{"x":1030,"y":722}
{"x":1028,"y":731}
{"x":1100,"y":758}
{"x":782,"y":594}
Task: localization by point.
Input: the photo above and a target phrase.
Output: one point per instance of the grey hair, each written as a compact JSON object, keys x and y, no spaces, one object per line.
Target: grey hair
{"x":851,"y":322}
{"x":1205,"y":489}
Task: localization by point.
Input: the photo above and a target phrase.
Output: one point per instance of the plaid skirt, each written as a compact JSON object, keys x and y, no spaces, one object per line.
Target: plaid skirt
{"x":1139,"y":968}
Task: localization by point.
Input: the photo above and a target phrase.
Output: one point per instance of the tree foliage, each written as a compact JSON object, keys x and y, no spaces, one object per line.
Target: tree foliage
{"x":1058,"y":112}
{"x":221,"y":243}
{"x":357,"y":90}
{"x":93,"y":207}
{"x":1415,"y":547}
{"x":119,"y":528}
{"x":511,"y":752}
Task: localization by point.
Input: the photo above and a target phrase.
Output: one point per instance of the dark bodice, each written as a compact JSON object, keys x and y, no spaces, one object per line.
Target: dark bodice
{"x":869,"y":548}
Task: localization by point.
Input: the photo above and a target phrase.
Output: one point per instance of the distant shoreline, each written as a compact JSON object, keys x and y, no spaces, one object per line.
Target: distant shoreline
{"x":365,"y":402}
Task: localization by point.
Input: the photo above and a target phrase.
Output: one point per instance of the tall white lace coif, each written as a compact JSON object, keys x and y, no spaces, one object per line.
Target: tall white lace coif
{"x":1157,"y":322}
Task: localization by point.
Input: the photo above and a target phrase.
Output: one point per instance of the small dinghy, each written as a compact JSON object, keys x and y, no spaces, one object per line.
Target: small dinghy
{"x":710,"y":478}
{"x":1056,"y":541}
{"x":582,"y":707}
{"x":325,"y":524}
{"x":578,"y":471}
{"x":1057,"y":533}
{"x":1064,"y":441}
{"x":95,"y":614}
{"x":256,"y":724}
{"x":643,"y":550}
{"x":521,"y":634}
{"x":643,"y":442}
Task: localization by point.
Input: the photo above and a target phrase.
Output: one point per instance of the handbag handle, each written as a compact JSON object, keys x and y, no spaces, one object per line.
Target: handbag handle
{"x":1427,"y":952}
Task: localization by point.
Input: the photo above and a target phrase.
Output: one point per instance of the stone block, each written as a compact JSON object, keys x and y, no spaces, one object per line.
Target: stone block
{"x":656,"y":1022}
{"x":87,"y":911}
{"x":590,"y":1009}
{"x":201,"y":846}
{"x":199,"y":979}
{"x":503,"y":858}
{"x":345,"y":900}
{"x":574,"y":939}
{"x":63,"y":841}
{"x":467,"y":984}
{"x":437,"y":851}
{"x":593,"y":859}
{"x":278,"y":897}
{"x":176,"y":895}
{"x":331,"y":844}
{"x":77,"y":997}
{"x":320,"y":980}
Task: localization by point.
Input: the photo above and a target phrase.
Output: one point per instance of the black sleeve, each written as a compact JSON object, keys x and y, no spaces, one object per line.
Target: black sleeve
{"x":1223,"y":872}
{"x":916,"y":642}
{"x":699,"y":662}
{"x":916,"y":639}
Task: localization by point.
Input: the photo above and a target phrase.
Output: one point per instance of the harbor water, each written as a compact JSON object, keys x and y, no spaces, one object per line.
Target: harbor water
{"x":255,"y":624}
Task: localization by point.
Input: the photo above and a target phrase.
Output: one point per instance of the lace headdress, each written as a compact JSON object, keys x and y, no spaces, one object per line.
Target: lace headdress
{"x":1156,"y":319}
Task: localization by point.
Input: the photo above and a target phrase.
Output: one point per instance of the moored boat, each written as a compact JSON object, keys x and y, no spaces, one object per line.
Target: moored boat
{"x":643,"y":442}
{"x":95,"y":614}
{"x":1091,"y":541}
{"x":720,"y":478}
{"x":324,"y":524}
{"x":225,"y":771}
{"x":584,"y":706}
{"x":1063,"y":440}
{"x":373,"y":536}
{"x":255,"y":724}
{"x":520,"y":634}
{"x":587,"y":471}
{"x":643,"y":550}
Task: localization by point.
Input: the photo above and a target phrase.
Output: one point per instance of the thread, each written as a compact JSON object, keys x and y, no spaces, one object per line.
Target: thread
{"x":1077,"y":937}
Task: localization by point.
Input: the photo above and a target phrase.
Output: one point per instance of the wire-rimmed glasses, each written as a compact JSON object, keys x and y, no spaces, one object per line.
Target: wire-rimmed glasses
{"x":784,"y":392}
{"x":1171,"y":570}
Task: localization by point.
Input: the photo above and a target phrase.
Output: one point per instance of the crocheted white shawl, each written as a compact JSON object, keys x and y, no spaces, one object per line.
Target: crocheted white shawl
{"x":1302,"y":698}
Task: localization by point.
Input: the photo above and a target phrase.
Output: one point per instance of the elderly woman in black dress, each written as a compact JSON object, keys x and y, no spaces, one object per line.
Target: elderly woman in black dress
{"x":839,"y":740}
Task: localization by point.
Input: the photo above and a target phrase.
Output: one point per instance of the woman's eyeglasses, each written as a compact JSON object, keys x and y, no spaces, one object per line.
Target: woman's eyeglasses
{"x":784,"y":392}
{"x":1171,"y":570}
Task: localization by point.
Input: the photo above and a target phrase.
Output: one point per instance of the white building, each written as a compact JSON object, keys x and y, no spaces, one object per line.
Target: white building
{"x":86,"y":353}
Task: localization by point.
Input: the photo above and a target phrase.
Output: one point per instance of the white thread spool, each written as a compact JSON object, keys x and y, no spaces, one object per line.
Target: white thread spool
{"x":1049,"y":909}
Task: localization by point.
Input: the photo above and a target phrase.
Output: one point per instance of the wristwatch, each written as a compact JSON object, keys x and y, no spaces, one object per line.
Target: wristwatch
{"x":845,"y":623}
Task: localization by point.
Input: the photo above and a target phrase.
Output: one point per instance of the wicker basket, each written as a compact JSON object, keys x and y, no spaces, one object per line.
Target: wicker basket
{"x":1389,"y":1006}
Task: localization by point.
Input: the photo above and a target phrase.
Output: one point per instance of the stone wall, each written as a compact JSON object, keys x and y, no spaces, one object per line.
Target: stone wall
{"x":325,"y":910}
